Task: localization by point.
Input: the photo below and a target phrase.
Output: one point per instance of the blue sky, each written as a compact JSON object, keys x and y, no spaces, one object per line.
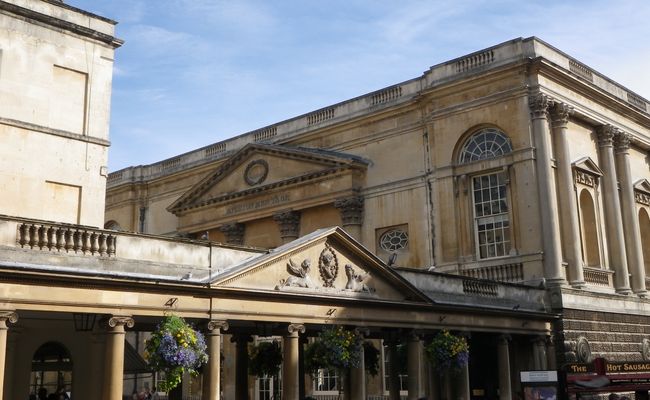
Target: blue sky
{"x":193,"y":72}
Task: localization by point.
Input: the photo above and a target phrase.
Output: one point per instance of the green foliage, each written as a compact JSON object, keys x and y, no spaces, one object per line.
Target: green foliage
{"x":265,"y":359}
{"x":175,"y":348}
{"x":371,"y":358}
{"x":448,"y":352}
{"x":335,"y":348}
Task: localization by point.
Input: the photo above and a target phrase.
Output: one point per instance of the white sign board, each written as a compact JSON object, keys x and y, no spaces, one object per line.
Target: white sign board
{"x":538,"y":376}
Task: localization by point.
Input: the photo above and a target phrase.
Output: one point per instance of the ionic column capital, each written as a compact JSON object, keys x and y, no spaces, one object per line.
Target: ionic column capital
{"x":7,"y":316}
{"x":295,"y":329}
{"x":120,"y":321}
{"x":215,"y":326}
{"x":539,"y":104}
{"x":622,"y":141}
{"x":560,"y":113}
{"x":605,"y":135}
{"x":504,"y":339}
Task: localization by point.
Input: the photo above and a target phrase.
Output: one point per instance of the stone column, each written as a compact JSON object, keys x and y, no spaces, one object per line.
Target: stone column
{"x":568,"y":205}
{"x":414,"y":363}
{"x":351,"y":209}
{"x":539,"y":104}
{"x":551,"y":362}
{"x":241,"y":365}
{"x":5,"y":316}
{"x":290,"y":367}
{"x":289,"y":224}
{"x":631,"y":228}
{"x":212,"y":374}
{"x":503,"y":365}
{"x":463,"y":377}
{"x":613,"y":218}
{"x":114,"y":361}
{"x":358,"y":374}
{"x":539,"y":353}
{"x":234,"y":233}
{"x":393,"y":371}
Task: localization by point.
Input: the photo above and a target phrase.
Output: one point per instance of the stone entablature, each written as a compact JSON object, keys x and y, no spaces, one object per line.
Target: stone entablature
{"x":507,"y":53}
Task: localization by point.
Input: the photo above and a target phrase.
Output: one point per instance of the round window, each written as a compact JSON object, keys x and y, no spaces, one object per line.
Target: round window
{"x":395,"y":239}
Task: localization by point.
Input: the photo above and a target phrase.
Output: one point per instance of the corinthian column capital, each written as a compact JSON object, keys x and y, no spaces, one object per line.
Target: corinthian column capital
{"x":560,"y":113}
{"x":289,"y":223}
{"x":234,"y":233}
{"x":605,"y":135}
{"x":351,"y":209}
{"x":622,"y":141}
{"x":539,"y":104}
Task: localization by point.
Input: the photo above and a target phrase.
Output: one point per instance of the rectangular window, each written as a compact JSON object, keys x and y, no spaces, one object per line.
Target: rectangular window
{"x":326,"y":380}
{"x":491,"y":219}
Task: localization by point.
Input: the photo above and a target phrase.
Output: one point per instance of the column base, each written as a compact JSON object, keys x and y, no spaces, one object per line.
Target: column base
{"x":642,"y":294}
{"x":556,"y":282}
{"x":625,"y":291}
{"x":578,"y":284}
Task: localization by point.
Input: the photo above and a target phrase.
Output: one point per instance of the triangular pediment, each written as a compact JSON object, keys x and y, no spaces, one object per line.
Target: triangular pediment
{"x":642,"y":185}
{"x":326,"y":263}
{"x":257,"y":168}
{"x":586,"y":164}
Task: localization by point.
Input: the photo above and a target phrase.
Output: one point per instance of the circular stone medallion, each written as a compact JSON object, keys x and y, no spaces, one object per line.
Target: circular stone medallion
{"x":256,"y":172}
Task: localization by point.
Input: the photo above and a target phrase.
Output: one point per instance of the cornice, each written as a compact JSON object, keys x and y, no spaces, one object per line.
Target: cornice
{"x":54,"y":132}
{"x":65,"y":25}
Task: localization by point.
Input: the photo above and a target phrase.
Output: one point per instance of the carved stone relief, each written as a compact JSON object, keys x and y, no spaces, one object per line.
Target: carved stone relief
{"x":355,"y":281}
{"x":328,"y":266}
{"x":298,"y":275}
{"x":256,"y":172}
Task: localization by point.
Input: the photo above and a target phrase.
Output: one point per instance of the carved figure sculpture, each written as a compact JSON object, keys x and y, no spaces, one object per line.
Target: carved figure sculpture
{"x":355,"y":281}
{"x":299,"y":275}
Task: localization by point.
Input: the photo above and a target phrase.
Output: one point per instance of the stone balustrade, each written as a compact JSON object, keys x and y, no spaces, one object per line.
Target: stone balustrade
{"x":512,"y":272}
{"x":66,"y":238}
{"x":598,"y":277}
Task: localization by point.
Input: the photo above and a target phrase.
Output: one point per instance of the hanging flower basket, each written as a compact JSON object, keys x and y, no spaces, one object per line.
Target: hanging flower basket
{"x":448,"y":352}
{"x":335,"y":348}
{"x":175,"y":348}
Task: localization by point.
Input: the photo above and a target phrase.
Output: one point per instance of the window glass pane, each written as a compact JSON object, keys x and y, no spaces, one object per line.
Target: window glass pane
{"x":486,"y":143}
{"x":491,"y":215}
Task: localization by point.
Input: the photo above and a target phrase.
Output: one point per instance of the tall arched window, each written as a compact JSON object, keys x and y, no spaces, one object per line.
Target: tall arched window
{"x":644,"y":224}
{"x":489,"y":193}
{"x":486,"y":143}
{"x":51,"y":368}
{"x":590,"y":248}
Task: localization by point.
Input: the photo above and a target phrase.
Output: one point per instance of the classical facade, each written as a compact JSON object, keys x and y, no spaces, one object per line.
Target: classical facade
{"x":77,"y":301}
{"x":516,"y":163}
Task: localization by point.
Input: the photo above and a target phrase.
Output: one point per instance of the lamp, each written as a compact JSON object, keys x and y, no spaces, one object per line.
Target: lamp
{"x":83,"y":322}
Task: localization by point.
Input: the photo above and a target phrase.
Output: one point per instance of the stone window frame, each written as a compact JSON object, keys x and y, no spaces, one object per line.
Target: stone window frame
{"x":586,"y":177}
{"x":380,"y":232}
{"x":503,"y":216}
{"x":642,"y":201}
{"x":496,"y":143}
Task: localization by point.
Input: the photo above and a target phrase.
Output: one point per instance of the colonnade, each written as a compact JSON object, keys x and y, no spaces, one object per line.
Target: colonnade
{"x":421,"y":382}
{"x":558,"y":200}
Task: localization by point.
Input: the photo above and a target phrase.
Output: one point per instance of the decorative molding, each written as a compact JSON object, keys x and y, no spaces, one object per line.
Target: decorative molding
{"x":583,"y":350}
{"x":642,"y":192}
{"x":637,"y":101}
{"x":586,"y":172}
{"x":328,"y":266}
{"x":581,"y":70}
{"x":539,"y":104}
{"x":234,"y":233}
{"x":351,"y":209}
{"x":289,"y":223}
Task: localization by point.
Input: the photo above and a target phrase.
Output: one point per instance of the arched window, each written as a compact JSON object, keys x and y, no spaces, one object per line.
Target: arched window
{"x":51,"y":368}
{"x":112,"y":225}
{"x":644,"y":224}
{"x":590,"y":248}
{"x":486,"y":143}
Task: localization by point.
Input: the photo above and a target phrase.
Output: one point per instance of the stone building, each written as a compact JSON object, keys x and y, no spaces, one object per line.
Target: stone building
{"x":76,"y":300}
{"x":516,"y":163}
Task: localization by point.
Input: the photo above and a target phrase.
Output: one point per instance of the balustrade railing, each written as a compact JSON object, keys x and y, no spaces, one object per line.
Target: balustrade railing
{"x":481,"y":288}
{"x":68,"y":239}
{"x":503,"y":273}
{"x":598,"y":277}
